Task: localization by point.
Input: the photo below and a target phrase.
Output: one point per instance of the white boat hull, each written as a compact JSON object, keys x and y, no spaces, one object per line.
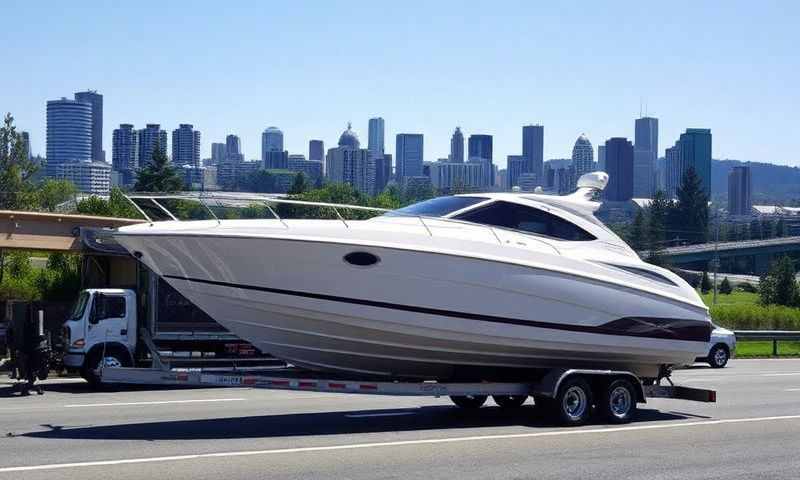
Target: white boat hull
{"x":419,"y":314}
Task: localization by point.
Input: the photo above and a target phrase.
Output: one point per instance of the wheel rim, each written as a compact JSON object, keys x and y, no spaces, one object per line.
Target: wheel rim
{"x":109,"y":362}
{"x":720,"y":357}
{"x":574,"y":403}
{"x":620,"y":402}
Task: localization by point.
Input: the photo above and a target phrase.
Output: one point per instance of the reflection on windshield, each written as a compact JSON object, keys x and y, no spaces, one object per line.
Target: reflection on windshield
{"x":79,"y":307}
{"x":436,"y":207}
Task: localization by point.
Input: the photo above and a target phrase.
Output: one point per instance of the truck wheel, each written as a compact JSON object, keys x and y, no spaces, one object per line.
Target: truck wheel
{"x":719,"y":356}
{"x":469,"y":402}
{"x":509,"y":401}
{"x":91,"y":368}
{"x":573,"y":402}
{"x":618,"y":403}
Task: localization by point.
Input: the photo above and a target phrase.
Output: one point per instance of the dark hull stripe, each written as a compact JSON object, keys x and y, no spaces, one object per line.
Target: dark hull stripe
{"x":647,"y":327}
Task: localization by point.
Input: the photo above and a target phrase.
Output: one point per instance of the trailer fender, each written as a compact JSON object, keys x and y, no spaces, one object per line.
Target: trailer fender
{"x":549,"y":384}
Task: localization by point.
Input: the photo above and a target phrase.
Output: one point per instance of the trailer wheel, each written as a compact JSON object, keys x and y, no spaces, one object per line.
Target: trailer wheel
{"x":469,"y":402}
{"x":618,"y":402}
{"x":509,"y":401}
{"x":573,"y":402}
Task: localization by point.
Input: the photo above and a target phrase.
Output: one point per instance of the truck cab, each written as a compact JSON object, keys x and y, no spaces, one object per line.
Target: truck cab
{"x":100,"y":331}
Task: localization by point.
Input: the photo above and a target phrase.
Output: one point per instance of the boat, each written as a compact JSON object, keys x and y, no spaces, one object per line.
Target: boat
{"x":482,"y":286}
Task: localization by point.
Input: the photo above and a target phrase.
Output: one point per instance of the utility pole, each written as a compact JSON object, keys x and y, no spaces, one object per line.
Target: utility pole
{"x":716,"y":256}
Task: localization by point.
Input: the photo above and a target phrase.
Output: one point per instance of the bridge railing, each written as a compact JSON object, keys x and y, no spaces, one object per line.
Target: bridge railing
{"x":769,"y":335}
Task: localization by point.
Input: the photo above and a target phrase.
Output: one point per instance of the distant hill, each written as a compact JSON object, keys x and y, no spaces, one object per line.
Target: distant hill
{"x":772,"y":184}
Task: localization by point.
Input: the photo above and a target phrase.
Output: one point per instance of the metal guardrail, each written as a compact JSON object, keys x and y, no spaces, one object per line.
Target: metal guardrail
{"x":773,"y":335}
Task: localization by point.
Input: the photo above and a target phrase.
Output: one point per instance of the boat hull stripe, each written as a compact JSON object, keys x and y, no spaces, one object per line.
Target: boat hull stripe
{"x":647,"y":327}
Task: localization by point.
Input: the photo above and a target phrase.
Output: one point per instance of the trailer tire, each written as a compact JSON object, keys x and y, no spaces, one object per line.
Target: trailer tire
{"x":509,"y":402}
{"x":112,"y":357}
{"x":469,"y":402}
{"x":618,"y":403}
{"x":573,"y":401}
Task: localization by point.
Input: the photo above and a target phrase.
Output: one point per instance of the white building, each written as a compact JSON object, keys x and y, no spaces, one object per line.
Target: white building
{"x":89,"y":177}
{"x":582,"y":156}
{"x":348,"y":163}
{"x":449,"y":177}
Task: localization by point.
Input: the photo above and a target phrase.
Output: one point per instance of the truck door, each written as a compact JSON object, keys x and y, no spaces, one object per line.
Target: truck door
{"x":108,"y":321}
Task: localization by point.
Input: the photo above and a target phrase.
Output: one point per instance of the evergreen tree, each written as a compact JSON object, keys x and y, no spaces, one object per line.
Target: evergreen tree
{"x":705,"y":283}
{"x":656,"y":228}
{"x":16,"y":169}
{"x":300,"y":184}
{"x":725,"y":287}
{"x":158,"y":175}
{"x":638,"y":233}
{"x":691,"y":210}
{"x":778,"y":286}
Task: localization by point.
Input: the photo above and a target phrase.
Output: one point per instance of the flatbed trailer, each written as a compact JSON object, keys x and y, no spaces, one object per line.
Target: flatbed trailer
{"x":572,"y":396}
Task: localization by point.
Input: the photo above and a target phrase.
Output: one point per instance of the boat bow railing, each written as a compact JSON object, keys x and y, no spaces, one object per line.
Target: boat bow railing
{"x":237,"y":200}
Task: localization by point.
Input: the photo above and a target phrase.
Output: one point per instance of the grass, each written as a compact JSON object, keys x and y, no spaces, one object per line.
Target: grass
{"x":759,"y":348}
{"x":735,"y":298}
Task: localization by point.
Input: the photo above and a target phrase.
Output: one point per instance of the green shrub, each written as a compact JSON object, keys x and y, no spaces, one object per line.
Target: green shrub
{"x":725,"y":287}
{"x":747,"y":287}
{"x":756,"y":317}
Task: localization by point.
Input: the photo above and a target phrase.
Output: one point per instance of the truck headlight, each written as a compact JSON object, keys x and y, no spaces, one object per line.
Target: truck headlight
{"x":79,"y":343}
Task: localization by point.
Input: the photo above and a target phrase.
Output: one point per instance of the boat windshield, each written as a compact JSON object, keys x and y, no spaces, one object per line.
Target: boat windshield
{"x":436,"y":207}
{"x":79,"y":307}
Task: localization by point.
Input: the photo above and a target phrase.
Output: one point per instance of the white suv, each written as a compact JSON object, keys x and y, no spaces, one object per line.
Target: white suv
{"x":721,"y":348}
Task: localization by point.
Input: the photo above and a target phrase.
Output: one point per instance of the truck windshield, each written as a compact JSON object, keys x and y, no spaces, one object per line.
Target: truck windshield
{"x":79,"y":307}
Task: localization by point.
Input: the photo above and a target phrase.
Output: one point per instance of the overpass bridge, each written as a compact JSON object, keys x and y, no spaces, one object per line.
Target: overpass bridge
{"x":748,"y":256}
{"x":52,"y":232}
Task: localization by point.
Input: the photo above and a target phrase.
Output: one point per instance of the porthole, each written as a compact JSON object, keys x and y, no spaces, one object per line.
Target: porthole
{"x":361,"y":259}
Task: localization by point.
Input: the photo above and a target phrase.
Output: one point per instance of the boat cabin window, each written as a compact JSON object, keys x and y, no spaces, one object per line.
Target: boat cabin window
{"x":437,"y":207}
{"x":527,"y":219}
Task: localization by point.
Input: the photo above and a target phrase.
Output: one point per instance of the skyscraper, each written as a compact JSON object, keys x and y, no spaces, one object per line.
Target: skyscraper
{"x":125,"y":152}
{"x":533,"y":149}
{"x":96,"y":101}
{"x":375,"y":137}
{"x":619,"y":165}
{"x":409,"y":149}
{"x":218,"y":153}
{"x":316,"y":150}
{"x":233,"y":145}
{"x":457,"y":146}
{"x":515,"y":166}
{"x":479,"y":150}
{"x":69,"y":133}
{"x":644,"y":157}
{"x":186,"y":146}
{"x":26,"y":142}
{"x":349,"y":163}
{"x":271,"y":141}
{"x":601,"y":157}
{"x":149,"y":137}
{"x":672,"y":159}
{"x":695,"y":152}
{"x":739,"y":198}
{"x":583,"y":156}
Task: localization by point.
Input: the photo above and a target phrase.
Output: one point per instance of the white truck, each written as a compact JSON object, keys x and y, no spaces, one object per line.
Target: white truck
{"x":104,"y":330}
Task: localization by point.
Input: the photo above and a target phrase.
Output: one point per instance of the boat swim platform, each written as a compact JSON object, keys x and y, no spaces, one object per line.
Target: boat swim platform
{"x":51,"y":232}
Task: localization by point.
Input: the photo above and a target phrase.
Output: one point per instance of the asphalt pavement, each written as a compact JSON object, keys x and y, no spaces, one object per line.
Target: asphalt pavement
{"x":235,"y":433}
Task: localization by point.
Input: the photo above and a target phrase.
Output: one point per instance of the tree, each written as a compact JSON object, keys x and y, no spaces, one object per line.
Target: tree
{"x":725,"y":287}
{"x":51,"y":193}
{"x":116,"y":206}
{"x":705,"y":283}
{"x":637,"y":233}
{"x":691,"y":211}
{"x":158,"y":175}
{"x":300,"y":184}
{"x":656,"y":227}
{"x":18,"y":264}
{"x":778,"y":285}
{"x":16,"y":168}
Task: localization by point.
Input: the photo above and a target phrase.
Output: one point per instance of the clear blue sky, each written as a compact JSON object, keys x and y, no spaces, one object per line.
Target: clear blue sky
{"x":490,"y":67}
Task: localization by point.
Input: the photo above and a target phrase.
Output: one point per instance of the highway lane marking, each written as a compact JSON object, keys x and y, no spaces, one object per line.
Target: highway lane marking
{"x":788,"y":374}
{"x":158,"y":402}
{"x":367,"y":415}
{"x":357,"y":446}
{"x":793,"y":389}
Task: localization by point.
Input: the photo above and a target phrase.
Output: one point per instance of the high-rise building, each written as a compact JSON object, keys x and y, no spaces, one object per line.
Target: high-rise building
{"x":150,"y":137}
{"x":456,"y":177}
{"x":375,"y":137}
{"x":583,"y":156}
{"x":233,"y":145}
{"x":601,"y":158}
{"x":218,"y":153}
{"x":533,"y":149}
{"x":276,"y":160}
{"x":69,"y":133}
{"x":186,"y":146}
{"x":409,"y":149}
{"x":312,"y":169}
{"x":479,"y":149}
{"x":271,"y":141}
{"x":96,"y":101}
{"x":739,"y":194}
{"x":619,"y":165}
{"x":515,"y":166}
{"x":695,"y":152}
{"x":26,"y":142}
{"x":316,"y":150}
{"x":383,"y":172}
{"x":349,"y":163}
{"x":87,"y":176}
{"x":125,"y":153}
{"x":457,"y":146}
{"x":644,"y":157}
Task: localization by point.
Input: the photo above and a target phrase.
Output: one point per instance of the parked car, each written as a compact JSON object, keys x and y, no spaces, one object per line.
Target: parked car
{"x":721,"y":347}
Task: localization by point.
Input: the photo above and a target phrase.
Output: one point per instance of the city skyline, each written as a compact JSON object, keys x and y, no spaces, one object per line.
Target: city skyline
{"x":552,"y":90}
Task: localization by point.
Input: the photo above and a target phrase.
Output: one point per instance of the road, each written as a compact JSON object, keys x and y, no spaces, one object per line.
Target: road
{"x":753,"y":432}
